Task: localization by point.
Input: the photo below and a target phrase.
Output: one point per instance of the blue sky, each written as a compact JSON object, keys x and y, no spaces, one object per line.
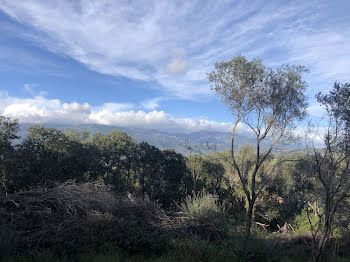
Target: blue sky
{"x":144,"y":63}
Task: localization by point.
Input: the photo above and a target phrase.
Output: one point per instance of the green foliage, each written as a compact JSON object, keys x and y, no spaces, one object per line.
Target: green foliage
{"x":301,"y":222}
{"x":248,"y":86}
{"x":205,"y":208}
{"x":206,"y":172}
{"x":49,"y":156}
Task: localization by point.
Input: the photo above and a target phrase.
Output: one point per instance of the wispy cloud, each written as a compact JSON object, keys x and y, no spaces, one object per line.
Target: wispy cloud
{"x":151,"y":104}
{"x":178,"y":64}
{"x":29,"y":88}
{"x":32,"y":89}
{"x":137,"y":39}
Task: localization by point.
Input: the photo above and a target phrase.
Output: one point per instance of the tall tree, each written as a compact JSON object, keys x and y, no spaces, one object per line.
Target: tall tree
{"x":268,"y":102}
{"x":331,"y":168}
{"x":174,"y":176}
{"x":149,"y":170}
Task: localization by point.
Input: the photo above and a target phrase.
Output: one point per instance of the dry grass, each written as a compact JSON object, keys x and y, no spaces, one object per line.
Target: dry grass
{"x":70,"y":215}
{"x":44,"y":217}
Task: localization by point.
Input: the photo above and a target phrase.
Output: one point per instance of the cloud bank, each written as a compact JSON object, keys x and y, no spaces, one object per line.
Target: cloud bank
{"x":41,"y":110}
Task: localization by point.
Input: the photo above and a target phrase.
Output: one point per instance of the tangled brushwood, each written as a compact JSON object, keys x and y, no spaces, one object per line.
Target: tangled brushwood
{"x":44,"y":218}
{"x":73,"y":216}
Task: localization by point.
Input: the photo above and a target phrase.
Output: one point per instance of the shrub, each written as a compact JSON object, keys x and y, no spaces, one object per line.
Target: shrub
{"x":205,"y":208}
{"x":301,"y":222}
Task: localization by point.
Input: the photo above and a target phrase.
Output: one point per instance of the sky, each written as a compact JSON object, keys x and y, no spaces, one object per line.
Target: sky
{"x":145,"y":63}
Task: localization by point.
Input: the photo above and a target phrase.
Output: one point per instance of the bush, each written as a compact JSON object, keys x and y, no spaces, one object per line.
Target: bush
{"x":301,"y":222}
{"x":205,"y":208}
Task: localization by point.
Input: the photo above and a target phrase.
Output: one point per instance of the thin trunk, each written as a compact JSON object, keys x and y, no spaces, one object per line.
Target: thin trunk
{"x":319,"y":252}
{"x":321,"y":244}
{"x":248,"y":221}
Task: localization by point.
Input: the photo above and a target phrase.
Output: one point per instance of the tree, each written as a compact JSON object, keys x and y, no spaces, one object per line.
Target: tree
{"x":48,"y":156}
{"x":266,"y":101}
{"x":149,"y":170}
{"x":331,"y":167}
{"x":8,"y":132}
{"x":117,"y":159}
{"x":174,"y":178}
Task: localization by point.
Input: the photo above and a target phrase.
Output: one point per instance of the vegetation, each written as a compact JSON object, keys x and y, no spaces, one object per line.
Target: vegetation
{"x":80,"y":196}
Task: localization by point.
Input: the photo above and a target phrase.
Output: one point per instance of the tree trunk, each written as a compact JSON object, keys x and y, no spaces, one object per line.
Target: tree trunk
{"x":321,"y":243}
{"x":319,"y":252}
{"x":248,"y":221}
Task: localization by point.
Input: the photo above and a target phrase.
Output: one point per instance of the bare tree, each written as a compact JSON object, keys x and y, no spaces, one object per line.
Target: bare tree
{"x":266,"y":101}
{"x":331,"y":168}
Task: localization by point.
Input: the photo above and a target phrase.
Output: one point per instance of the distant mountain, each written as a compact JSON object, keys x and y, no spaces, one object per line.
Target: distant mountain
{"x":203,"y":141}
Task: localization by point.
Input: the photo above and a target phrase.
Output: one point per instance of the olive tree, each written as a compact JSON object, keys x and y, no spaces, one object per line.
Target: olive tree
{"x":266,"y":101}
{"x":331,"y":166}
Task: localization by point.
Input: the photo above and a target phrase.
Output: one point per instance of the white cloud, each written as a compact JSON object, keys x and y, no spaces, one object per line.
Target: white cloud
{"x":115,"y":107}
{"x":76,"y":108}
{"x":42,"y":110}
{"x":134,"y":39}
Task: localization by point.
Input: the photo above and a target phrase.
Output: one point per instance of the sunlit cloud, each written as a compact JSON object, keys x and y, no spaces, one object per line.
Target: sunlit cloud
{"x":41,"y":110}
